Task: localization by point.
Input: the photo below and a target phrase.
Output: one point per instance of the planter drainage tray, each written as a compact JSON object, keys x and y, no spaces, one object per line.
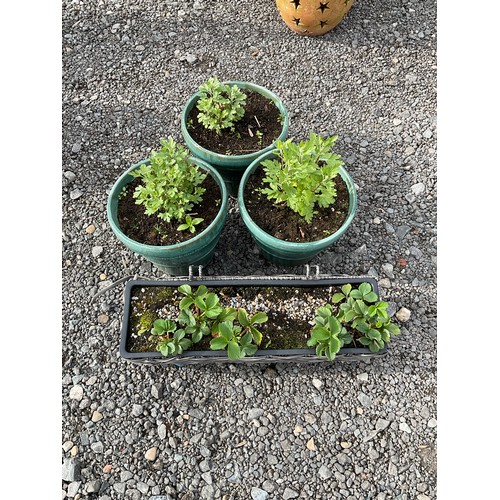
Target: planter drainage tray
{"x":289,"y":301}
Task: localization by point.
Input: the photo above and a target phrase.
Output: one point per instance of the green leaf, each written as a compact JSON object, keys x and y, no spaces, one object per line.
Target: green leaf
{"x":320,"y":333}
{"x":243,"y":318}
{"x":233,"y":350}
{"x":214,"y":312}
{"x":186,"y":318}
{"x":185,"y":289}
{"x":201,"y":291}
{"x":200,"y":303}
{"x":346,"y":289}
{"x":260,"y":317}
{"x":371,"y":297}
{"x":337,"y":297}
{"x":333,"y":325}
{"x":226,"y":331}
{"x":312,"y":342}
{"x":185,"y":344}
{"x":212,"y":300}
{"x":196,"y":337}
{"x":250,"y":350}
{"x":246,"y":339}
{"x":393,"y":329}
{"x":334,"y":344}
{"x":218,"y":343}
{"x":257,"y":336}
{"x":186,"y":302}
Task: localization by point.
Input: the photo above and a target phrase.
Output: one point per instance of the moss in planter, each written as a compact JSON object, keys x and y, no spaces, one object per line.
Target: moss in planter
{"x":291,"y":311}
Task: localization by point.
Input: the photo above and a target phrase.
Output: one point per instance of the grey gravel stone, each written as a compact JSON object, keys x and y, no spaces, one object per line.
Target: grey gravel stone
{"x":157,"y":391}
{"x":97,"y":250}
{"x":75,"y":194}
{"x":403,"y":315}
{"x":258,"y":494}
{"x":381,"y":424}
{"x":325,"y":472}
{"x":289,"y":493}
{"x":255,"y":413}
{"x":71,"y":470}
{"x":76,"y":393}
{"x":402,"y":231}
{"x":364,"y":399}
{"x":418,"y":189}
{"x":73,"y":489}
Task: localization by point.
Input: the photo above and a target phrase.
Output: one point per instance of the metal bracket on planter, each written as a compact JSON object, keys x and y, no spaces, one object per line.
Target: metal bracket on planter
{"x":191,"y":275}
{"x":308,"y":271}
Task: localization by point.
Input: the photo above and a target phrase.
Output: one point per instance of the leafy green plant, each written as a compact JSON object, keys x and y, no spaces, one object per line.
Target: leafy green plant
{"x":362,"y":311}
{"x":328,"y":335}
{"x":198,"y":310}
{"x":201,"y":314}
{"x":231,"y":338}
{"x":221,"y":105}
{"x":170,"y":183}
{"x":170,"y":340}
{"x":302,"y":176}
{"x":239,"y":339}
{"x":190,"y":224}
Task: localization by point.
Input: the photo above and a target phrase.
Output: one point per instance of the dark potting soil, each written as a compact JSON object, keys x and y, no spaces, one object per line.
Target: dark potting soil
{"x":290,"y":311}
{"x":261,"y":114}
{"x":283,"y":223}
{"x":151,"y":230}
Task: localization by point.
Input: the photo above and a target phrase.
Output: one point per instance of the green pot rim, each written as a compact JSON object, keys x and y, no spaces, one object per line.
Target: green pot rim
{"x":262,"y":235}
{"x":119,"y":184}
{"x":243,"y":85}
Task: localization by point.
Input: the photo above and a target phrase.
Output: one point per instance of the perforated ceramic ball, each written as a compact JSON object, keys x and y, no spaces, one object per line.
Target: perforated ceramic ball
{"x":313,"y":17}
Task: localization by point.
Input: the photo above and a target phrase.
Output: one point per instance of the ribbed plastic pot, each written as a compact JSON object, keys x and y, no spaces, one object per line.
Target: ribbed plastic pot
{"x":172,"y":259}
{"x":287,"y":253}
{"x":231,"y":167}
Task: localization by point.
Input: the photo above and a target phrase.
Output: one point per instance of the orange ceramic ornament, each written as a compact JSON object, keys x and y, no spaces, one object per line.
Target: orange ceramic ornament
{"x":313,"y":17}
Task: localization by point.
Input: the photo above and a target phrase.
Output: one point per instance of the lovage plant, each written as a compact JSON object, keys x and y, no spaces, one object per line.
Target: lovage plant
{"x":220,"y":105}
{"x":303,"y":175}
{"x":170,"y":185}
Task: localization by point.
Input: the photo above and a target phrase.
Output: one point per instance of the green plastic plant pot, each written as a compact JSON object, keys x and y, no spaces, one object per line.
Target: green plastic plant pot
{"x":231,"y":167}
{"x":287,"y":253}
{"x":172,"y":259}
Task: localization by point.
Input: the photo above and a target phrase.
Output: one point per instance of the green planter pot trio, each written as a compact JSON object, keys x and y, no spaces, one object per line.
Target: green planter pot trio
{"x":231,"y":173}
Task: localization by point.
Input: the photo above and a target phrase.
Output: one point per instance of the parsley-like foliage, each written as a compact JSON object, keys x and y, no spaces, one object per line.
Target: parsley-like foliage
{"x":302,"y":176}
{"x":220,"y":105}
{"x":171,"y":183}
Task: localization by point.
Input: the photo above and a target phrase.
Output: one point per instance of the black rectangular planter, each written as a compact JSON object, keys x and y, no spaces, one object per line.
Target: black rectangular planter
{"x":261,"y":356}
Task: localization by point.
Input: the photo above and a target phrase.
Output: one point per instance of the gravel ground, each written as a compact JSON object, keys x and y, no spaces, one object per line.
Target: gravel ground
{"x":343,"y":430}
